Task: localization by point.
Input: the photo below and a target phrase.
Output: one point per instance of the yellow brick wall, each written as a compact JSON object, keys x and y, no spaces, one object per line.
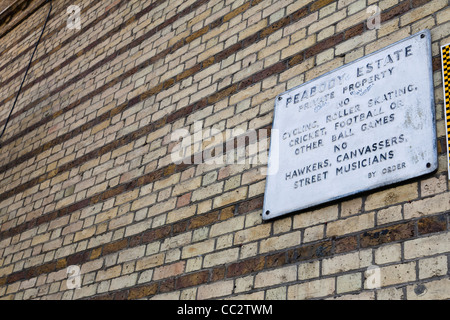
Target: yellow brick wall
{"x":87,"y":177}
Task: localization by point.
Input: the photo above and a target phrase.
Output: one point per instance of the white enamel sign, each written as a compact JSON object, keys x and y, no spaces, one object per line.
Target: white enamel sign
{"x":365,"y":125}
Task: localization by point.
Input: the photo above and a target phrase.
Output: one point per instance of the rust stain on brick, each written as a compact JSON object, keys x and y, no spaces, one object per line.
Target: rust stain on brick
{"x":299,"y":14}
{"x":395,"y":11}
{"x":354,"y":31}
{"x":389,"y":234}
{"x":193,"y":279}
{"x":203,"y":220}
{"x":208,"y":62}
{"x":189,"y":72}
{"x":216,"y":97}
{"x":245,"y":267}
{"x":143,"y":291}
{"x":197,"y":34}
{"x":319,"y":4}
{"x":168,"y":83}
{"x":298,"y":58}
{"x":274,"y":69}
{"x":276,"y":260}
{"x":57,"y":48}
{"x":275,"y":26}
{"x":256,"y":2}
{"x":345,"y":244}
{"x":104,"y":297}
{"x":250,"y":205}
{"x":218,"y":274}
{"x":227,"y":213}
{"x":18,"y":276}
{"x":156,"y":234}
{"x":236,"y":12}
{"x":61,"y":264}
{"x":313,"y":251}
{"x":324,"y":45}
{"x":43,"y":269}
{"x":432,"y":224}
{"x":95,"y":253}
{"x":115,"y":246}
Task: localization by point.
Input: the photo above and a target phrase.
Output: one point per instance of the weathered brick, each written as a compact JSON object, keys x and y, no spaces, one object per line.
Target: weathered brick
{"x":203,"y":220}
{"x":169,"y":270}
{"x":309,"y":252}
{"x":150,"y":262}
{"x":434,"y":290}
{"x":236,"y":12}
{"x":214,"y":290}
{"x":313,"y":233}
{"x":436,"y":204}
{"x":142,"y":291}
{"x":198,"y":249}
{"x":316,"y":5}
{"x":433,"y":267}
{"x":351,"y":224}
{"x":92,"y":183}
{"x":388,"y":253}
{"x":282,"y":242}
{"x":347,"y":262}
{"x":110,"y":273}
{"x":221,"y":257}
{"x":252,"y":234}
{"x":193,"y":279}
{"x":388,"y":215}
{"x":115,"y":246}
{"x":275,"y":277}
{"x":425,"y":246}
{"x":227,"y":226}
{"x":276,"y":260}
{"x":230,"y":197}
{"x":245,"y":267}
{"x":308,"y":270}
{"x":123,"y":282}
{"x":432,"y":224}
{"x":349,"y":282}
{"x":346,"y":244}
{"x":392,"y":196}
{"x":388,"y":234}
{"x":312,"y":289}
{"x":315,"y":217}
{"x":399,"y":273}
{"x":131,"y":254}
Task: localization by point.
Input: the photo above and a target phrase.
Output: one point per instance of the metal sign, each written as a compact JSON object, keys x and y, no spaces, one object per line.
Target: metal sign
{"x":445,"y":50}
{"x":365,"y":125}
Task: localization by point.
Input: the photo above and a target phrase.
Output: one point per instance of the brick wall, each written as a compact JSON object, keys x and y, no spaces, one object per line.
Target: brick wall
{"x":87,"y":178}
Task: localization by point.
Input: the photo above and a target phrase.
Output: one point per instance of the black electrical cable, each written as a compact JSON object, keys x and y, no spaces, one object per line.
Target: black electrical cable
{"x":26,"y":72}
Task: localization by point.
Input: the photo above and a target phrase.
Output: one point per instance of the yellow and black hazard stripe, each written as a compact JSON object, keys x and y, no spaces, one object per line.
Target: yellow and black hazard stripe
{"x":446,"y":82}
